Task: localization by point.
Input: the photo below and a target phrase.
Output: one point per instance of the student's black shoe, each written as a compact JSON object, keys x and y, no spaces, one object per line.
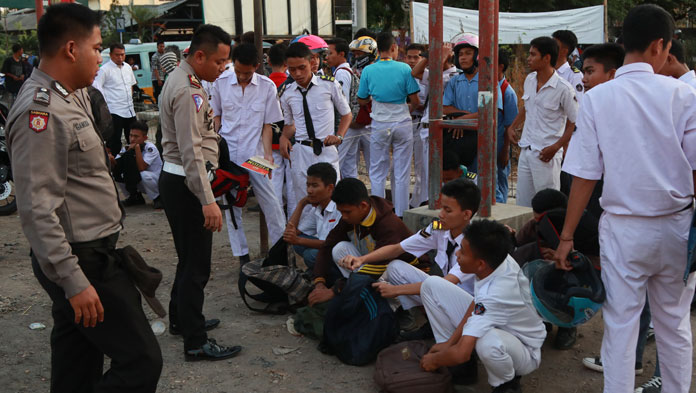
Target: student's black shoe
{"x":512,"y":386}
{"x":565,"y":338}
{"x":465,"y":373}
{"x":157,"y":203}
{"x":422,"y":333}
{"x":243,"y":260}
{"x":211,"y":351}
{"x":210,"y":324}
{"x":134,"y":199}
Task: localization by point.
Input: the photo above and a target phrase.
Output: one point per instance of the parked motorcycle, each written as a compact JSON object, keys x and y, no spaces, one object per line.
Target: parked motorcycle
{"x":8,"y":199}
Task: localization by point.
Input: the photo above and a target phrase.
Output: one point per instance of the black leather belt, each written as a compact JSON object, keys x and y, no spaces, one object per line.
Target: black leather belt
{"x":104,"y":242}
{"x":310,"y":143}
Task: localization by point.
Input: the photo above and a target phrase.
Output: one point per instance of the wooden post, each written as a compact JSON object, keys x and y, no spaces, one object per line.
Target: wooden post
{"x":435,"y":113}
{"x":258,"y":41}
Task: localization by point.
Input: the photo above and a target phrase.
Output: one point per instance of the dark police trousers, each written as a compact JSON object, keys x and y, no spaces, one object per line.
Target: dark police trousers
{"x":126,"y":171}
{"x":193,"y":245}
{"x":125,"y":336}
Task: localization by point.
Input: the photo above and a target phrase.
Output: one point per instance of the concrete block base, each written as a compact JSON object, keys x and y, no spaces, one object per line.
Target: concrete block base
{"x":512,"y":215}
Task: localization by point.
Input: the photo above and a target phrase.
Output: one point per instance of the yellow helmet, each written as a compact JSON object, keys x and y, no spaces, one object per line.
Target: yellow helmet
{"x":365,"y":44}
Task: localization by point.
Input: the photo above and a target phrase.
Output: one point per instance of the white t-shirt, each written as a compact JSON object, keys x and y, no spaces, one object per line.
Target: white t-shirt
{"x":498,"y":304}
{"x":116,"y":84}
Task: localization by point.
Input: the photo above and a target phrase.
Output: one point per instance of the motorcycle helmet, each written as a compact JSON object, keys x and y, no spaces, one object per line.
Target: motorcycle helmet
{"x":366,"y":45}
{"x":565,"y":298}
{"x":315,"y":44}
{"x":466,"y":40}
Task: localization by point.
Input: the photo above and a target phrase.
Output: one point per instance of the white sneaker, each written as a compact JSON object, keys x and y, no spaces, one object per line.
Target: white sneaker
{"x":653,"y":385}
{"x":595,"y":364}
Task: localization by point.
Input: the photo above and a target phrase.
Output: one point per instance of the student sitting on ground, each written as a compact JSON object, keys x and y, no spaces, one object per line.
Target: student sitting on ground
{"x":506,"y":334}
{"x":316,"y":215}
{"x":137,"y":168}
{"x":367,"y":223}
{"x":542,"y":201}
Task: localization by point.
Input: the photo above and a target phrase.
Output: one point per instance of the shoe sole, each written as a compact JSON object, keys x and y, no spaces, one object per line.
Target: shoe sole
{"x":194,"y":358}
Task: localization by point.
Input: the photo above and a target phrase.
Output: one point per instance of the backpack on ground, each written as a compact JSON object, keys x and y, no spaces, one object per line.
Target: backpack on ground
{"x":359,"y":322}
{"x":398,"y":370}
{"x":284,"y":287}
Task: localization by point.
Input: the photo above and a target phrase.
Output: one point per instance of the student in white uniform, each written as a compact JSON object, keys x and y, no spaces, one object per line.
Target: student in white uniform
{"x":506,"y":334}
{"x":648,"y":192}
{"x":567,"y":43}
{"x":245,"y":105}
{"x":316,"y":214}
{"x":460,"y":201}
{"x":308,"y":109}
{"x":675,"y":65}
{"x":387,"y":84}
{"x":548,"y":114}
{"x":420,"y":161}
{"x":144,"y":158}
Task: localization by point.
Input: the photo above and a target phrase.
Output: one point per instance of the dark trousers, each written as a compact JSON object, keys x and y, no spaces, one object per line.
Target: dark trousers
{"x":127,"y":172}
{"x":125,"y":336}
{"x":121,"y":127}
{"x":193,"y":245}
{"x":156,"y":90}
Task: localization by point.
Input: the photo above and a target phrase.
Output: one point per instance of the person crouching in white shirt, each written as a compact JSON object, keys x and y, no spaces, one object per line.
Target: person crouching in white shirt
{"x":506,"y":333}
{"x":245,"y":105}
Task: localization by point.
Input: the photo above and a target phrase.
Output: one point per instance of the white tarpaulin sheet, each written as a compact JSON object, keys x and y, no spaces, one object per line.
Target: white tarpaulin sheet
{"x":515,"y":27}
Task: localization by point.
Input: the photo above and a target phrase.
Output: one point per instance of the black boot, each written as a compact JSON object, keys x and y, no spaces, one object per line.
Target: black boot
{"x":565,"y":338}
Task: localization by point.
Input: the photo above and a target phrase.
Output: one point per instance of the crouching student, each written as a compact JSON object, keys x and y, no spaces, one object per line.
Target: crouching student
{"x":367,"y":223}
{"x":137,"y":168}
{"x":506,"y":334}
{"x":459,"y":203}
{"x":316,"y":215}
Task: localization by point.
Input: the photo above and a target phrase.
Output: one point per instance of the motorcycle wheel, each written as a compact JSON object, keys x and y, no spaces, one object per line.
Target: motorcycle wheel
{"x":8,"y":200}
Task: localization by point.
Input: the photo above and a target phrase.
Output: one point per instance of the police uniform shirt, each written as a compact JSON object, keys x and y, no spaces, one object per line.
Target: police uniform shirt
{"x":151,"y":157}
{"x":243,"y":112}
{"x":574,"y":77}
{"x":317,"y":222}
{"x":689,"y":77}
{"x":498,"y":304}
{"x":462,"y":93}
{"x":389,"y":83}
{"x":437,"y":239}
{"x":323,"y":96}
{"x":116,"y":84}
{"x":65,"y":193}
{"x":344,"y":77}
{"x":547,"y":111}
{"x":647,"y":154}
{"x":188,"y":138}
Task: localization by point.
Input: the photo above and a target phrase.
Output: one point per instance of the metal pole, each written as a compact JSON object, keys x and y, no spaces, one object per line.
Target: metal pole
{"x":258,"y":41}
{"x":39,"y":10}
{"x":486,"y":104}
{"x":435,"y":114}
{"x":494,"y":145}
{"x":606,"y":23}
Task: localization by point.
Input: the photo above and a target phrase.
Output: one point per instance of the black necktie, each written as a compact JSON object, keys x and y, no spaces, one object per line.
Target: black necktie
{"x":450,"y":249}
{"x":316,"y":143}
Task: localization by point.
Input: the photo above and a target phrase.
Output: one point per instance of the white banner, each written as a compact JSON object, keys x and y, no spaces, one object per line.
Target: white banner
{"x":515,"y":27}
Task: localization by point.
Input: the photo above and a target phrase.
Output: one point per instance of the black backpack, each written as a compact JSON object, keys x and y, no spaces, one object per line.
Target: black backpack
{"x":359,"y":322}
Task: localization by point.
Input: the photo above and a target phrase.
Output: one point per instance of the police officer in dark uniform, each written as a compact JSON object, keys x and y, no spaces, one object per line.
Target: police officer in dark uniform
{"x":68,"y":207}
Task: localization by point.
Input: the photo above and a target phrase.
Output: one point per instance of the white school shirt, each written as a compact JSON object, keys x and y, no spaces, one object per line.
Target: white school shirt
{"x":639,"y":131}
{"x":432,"y":239}
{"x":425,"y":80}
{"x":574,"y":78}
{"x":116,"y":84}
{"x":244,"y":112}
{"x":317,"y":222}
{"x":689,"y":77}
{"x":344,"y":78}
{"x":547,"y":111}
{"x":151,"y":157}
{"x":498,"y":304}
{"x":322,"y":97}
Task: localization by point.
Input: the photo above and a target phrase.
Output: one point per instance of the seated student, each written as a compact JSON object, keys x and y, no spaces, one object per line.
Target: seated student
{"x":316,"y":214}
{"x":137,"y":168}
{"x":367,"y":223}
{"x":451,"y":169}
{"x":542,"y":201}
{"x":506,"y":334}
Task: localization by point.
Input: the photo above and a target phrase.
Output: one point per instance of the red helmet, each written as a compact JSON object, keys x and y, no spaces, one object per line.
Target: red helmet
{"x":315,"y":43}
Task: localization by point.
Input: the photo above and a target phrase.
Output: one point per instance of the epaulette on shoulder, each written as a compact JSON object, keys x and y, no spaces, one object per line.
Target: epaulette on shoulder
{"x":437,"y":225}
{"x":575,"y":69}
{"x":327,"y":78}
{"x":281,"y":89}
{"x":194,"y":81}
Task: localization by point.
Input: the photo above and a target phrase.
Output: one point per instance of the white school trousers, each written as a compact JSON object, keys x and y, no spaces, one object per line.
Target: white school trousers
{"x":400,"y":136}
{"x":348,"y":154}
{"x":272,"y":210}
{"x":502,"y":354}
{"x":420,"y":167}
{"x":639,"y":254}
{"x":342,"y":249}
{"x":534,"y":175}
{"x":402,"y":273}
{"x":282,"y":181}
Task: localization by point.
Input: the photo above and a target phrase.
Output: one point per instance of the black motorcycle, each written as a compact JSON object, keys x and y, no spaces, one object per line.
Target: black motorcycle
{"x":8,"y":199}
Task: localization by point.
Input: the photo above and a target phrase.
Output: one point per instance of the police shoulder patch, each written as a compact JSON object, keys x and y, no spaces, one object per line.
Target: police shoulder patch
{"x":579,"y":87}
{"x":194,"y":81}
{"x":327,"y":78}
{"x":479,"y":309}
{"x":42,"y":96}
{"x":198,"y":101}
{"x":38,"y":120}
{"x":575,"y":69}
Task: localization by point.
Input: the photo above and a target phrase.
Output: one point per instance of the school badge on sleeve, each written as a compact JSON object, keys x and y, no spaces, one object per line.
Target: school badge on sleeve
{"x":198,"y":100}
{"x":38,"y":121}
{"x":479,"y":309}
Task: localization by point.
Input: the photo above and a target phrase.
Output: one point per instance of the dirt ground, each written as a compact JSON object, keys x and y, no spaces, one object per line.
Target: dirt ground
{"x":25,"y":353}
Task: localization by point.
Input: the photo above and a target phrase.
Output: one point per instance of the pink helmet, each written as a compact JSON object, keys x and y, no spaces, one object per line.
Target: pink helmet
{"x":465,"y":40}
{"x":315,"y":43}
